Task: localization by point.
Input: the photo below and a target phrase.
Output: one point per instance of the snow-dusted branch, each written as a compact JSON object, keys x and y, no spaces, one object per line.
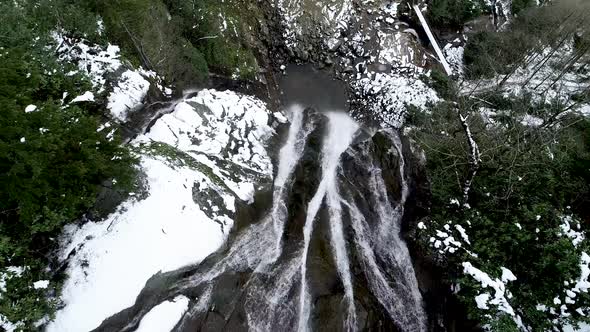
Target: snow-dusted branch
{"x":474,"y":158}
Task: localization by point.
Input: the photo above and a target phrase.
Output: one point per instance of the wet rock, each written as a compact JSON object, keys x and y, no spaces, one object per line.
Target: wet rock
{"x":211,"y":202}
{"x":239,"y":288}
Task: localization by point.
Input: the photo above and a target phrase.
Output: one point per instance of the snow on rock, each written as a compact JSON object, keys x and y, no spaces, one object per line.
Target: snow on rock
{"x":86,"y":96}
{"x":164,"y":316}
{"x":395,"y":48}
{"x":215,"y":127}
{"x":215,"y":155}
{"x":128,"y":93}
{"x":129,"y":87}
{"x":389,"y":94}
{"x":454,"y":56}
{"x":41,"y":284}
{"x":93,"y":60}
{"x":280,"y":117}
{"x":299,"y":18}
{"x":114,"y":258}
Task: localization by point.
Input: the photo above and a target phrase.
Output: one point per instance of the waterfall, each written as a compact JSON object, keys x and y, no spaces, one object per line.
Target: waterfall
{"x":333,"y":175}
{"x":341,"y":132}
{"x":289,"y":154}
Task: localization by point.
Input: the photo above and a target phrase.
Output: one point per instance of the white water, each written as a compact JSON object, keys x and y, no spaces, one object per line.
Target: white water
{"x":402,"y":300}
{"x":288,"y":157}
{"x":341,"y":130}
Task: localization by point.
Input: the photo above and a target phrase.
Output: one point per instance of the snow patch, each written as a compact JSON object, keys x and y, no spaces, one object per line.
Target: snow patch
{"x":567,"y":230}
{"x":498,"y":285}
{"x":30,"y":108}
{"x":129,"y":92}
{"x":41,"y":284}
{"x":87,"y":96}
{"x":164,"y":316}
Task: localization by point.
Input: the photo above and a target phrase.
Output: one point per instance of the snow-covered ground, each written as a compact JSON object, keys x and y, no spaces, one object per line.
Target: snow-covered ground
{"x":164,"y":316}
{"x":126,"y":88}
{"x":199,"y":159}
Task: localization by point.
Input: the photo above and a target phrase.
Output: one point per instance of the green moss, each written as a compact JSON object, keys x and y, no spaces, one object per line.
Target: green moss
{"x":228,"y":58}
{"x":179,"y":158}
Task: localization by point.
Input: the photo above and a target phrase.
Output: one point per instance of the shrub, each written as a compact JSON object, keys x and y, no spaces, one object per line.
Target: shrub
{"x":489,"y":53}
{"x":220,"y":31}
{"x":520,"y":5}
{"x":53,"y":162}
{"x":441,"y":83}
{"x":228,"y":58}
{"x":453,"y":13}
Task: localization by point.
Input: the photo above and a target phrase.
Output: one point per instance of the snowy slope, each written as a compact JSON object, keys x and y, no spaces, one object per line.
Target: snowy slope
{"x":192,"y":158}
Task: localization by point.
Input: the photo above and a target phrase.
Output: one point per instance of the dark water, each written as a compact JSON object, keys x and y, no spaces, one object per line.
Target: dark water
{"x":310,"y":87}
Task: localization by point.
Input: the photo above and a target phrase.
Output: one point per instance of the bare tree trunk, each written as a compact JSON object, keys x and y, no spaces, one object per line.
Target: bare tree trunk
{"x":512,"y":71}
{"x":144,"y":58}
{"x":542,"y":64}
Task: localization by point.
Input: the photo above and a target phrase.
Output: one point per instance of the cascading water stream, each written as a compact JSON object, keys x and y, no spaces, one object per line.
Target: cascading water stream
{"x":402,"y":300}
{"x":289,"y":154}
{"x":341,"y":131}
